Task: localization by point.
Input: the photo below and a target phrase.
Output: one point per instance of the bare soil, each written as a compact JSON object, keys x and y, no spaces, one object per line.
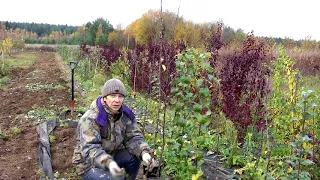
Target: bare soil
{"x":19,"y":154}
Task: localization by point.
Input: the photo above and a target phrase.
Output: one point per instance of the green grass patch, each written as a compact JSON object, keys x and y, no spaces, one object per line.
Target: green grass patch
{"x":92,"y":86}
{"x":310,"y":82}
{"x":22,"y":60}
{"x":3,"y":80}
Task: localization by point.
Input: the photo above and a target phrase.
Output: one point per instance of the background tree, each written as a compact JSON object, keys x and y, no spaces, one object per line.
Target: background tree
{"x":117,"y":38}
{"x":309,"y":44}
{"x":91,"y":34}
{"x":100,"y":37}
{"x":289,"y":43}
{"x":147,"y":28}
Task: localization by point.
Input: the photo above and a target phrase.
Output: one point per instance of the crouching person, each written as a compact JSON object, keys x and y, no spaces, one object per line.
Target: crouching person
{"x":109,"y":143}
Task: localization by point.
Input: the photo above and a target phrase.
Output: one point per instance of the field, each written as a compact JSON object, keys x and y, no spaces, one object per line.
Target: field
{"x":38,"y":88}
{"x":247,"y":114}
{"x":212,"y":102}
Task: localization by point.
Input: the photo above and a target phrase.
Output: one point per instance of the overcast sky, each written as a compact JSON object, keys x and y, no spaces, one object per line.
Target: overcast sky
{"x":295,"y":19}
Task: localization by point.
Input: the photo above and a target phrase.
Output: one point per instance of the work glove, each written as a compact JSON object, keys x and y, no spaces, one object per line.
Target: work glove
{"x":148,"y":161}
{"x":115,"y":170}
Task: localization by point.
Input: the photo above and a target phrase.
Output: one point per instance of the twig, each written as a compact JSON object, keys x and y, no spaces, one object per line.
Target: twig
{"x":163,"y":141}
{"x":269,"y":159}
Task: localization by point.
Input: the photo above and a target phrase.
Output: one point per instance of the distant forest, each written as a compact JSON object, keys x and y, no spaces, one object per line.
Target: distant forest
{"x":143,"y":31}
{"x":40,"y":29}
{"x":92,"y":33}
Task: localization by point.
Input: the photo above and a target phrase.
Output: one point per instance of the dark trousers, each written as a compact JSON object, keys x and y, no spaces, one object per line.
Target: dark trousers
{"x":124,"y":160}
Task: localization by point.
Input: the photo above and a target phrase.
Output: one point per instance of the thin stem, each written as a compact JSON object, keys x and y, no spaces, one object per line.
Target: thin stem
{"x":268,"y":163}
{"x":219,"y":121}
{"x":159,"y":78}
{"x":268,"y":145}
{"x":313,"y":135}
{"x":163,"y":140}
{"x":303,"y":133}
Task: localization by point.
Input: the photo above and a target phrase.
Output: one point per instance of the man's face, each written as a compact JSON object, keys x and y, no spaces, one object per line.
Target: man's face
{"x":114,"y":101}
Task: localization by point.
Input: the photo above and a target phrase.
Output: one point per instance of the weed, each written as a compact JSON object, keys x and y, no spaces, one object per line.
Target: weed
{"x":62,"y":123}
{"x":57,"y":175}
{"x":40,"y":172}
{"x":15,"y":130}
{"x":33,"y":87}
{"x":3,"y":80}
{"x":22,"y":60}
{"x":51,"y":99}
{"x":3,"y":134}
{"x":52,"y":138}
{"x":41,"y":114}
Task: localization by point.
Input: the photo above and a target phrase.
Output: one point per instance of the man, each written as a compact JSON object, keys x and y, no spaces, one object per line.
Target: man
{"x":109,"y":143}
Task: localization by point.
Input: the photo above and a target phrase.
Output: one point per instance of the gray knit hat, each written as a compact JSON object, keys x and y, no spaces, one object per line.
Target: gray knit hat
{"x":113,"y":86}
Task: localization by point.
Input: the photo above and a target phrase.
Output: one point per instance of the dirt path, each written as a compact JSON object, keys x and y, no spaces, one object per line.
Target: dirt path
{"x":40,"y":88}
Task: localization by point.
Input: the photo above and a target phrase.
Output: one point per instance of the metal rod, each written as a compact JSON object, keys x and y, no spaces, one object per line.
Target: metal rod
{"x":72,"y":90}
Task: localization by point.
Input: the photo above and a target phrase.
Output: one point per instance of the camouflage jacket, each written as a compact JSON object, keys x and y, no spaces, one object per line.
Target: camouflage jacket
{"x":95,"y":145}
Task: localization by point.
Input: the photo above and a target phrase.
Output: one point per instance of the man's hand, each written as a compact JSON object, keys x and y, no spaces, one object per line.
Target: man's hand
{"x":148,"y":160}
{"x":115,"y":170}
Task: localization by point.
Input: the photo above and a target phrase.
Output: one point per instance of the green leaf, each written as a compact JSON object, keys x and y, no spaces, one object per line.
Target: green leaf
{"x":201,"y":118}
{"x":174,"y":90}
{"x":295,"y":119}
{"x":178,"y":107}
{"x":204,"y":129}
{"x":182,"y":63}
{"x":209,"y":112}
{"x":200,"y":139}
{"x":293,"y":144}
{"x":189,"y":95}
{"x":186,"y":80}
{"x":307,"y":162}
{"x":307,"y":115}
{"x":210,"y":153}
{"x":301,"y":106}
{"x":204,"y":92}
{"x":190,"y":70}
{"x":197,"y":108}
{"x":211,"y":77}
{"x":291,"y":162}
{"x":181,"y":122}
{"x":188,"y":56}
{"x":56,"y":174}
{"x":202,"y":56}
{"x":310,"y":91}
{"x":305,"y":139}
{"x":305,"y":95}
{"x":207,"y":67}
{"x":199,"y":82}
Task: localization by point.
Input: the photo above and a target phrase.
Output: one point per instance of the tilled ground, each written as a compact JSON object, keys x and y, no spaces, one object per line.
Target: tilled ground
{"x":42,"y":85}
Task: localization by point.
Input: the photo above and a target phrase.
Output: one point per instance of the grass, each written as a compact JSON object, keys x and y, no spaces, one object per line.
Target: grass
{"x":310,"y":82}
{"x":22,"y":60}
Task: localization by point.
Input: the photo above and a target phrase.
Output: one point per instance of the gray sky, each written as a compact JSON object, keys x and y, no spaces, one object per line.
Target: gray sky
{"x":295,"y":19}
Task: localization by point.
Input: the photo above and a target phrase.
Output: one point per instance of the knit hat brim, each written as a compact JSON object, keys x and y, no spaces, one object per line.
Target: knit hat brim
{"x":113,"y":86}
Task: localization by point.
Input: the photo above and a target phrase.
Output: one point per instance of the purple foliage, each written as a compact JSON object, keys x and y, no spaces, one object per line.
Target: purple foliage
{"x":244,"y":86}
